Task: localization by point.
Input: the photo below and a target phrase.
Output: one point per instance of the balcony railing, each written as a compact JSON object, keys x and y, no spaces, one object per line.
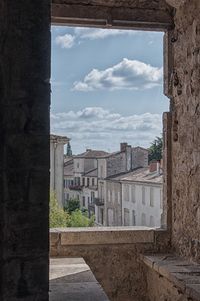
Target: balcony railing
{"x":99,"y":202}
{"x":75,"y":187}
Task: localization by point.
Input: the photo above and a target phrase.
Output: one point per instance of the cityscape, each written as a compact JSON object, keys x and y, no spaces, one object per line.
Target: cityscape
{"x":121,"y":188}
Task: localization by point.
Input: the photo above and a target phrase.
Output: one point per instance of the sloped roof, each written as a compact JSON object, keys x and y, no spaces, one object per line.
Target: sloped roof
{"x":69,"y":168}
{"x":91,"y":173}
{"x":92,"y":154}
{"x":139,"y":175}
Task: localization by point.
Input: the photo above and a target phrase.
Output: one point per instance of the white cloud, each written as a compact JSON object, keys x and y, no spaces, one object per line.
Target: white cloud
{"x":96,"y":33}
{"x":128,"y":74}
{"x":95,"y":127}
{"x":66,"y":41}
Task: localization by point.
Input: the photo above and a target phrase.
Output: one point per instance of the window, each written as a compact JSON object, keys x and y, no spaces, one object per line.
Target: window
{"x":133,"y":193}
{"x":77,"y":165}
{"x":88,"y":181}
{"x":143,"y":219}
{"x":88,"y":200}
{"x":93,"y":182}
{"x":83,"y":181}
{"x":101,"y":171}
{"x":118,"y":197}
{"x":152,"y":223}
{"x":110,"y":217}
{"x":161,"y":199}
{"x":151,"y":197}
{"x":143,"y":195}
{"x":83,"y":199}
{"x":126,"y":193}
{"x":92,"y":196}
{"x":133,"y":218}
{"x":108,"y":195}
{"x":126,"y":217}
{"x":101,"y":216}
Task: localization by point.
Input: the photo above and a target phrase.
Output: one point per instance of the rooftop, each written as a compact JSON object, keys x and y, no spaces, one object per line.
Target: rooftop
{"x":91,"y":173}
{"x":92,"y":154}
{"x":139,"y":175}
{"x":69,"y":168}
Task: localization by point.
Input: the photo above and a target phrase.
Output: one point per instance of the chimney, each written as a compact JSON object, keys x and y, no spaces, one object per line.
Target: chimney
{"x":128,"y":157}
{"x":123,"y":146}
{"x":154,"y":167}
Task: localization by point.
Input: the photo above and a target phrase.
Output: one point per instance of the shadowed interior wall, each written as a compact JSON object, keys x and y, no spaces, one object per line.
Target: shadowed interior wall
{"x":24,"y":148}
{"x":186,"y":131}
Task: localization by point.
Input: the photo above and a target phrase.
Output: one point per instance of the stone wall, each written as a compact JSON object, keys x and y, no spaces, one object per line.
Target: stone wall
{"x":186,"y":131}
{"x":116,"y":164}
{"x":24,"y":149}
{"x":161,"y":289}
{"x":113,"y":255}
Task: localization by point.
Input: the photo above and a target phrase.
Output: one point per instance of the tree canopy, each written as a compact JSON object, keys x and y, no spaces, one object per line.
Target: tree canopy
{"x":60,"y":218}
{"x":155,"y":150}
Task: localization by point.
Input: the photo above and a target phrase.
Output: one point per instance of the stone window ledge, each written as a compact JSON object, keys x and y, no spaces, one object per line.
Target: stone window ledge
{"x":103,"y":235}
{"x":183,"y":274}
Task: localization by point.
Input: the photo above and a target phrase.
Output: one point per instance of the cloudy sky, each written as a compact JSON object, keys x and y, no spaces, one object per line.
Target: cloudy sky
{"x":107,"y":87}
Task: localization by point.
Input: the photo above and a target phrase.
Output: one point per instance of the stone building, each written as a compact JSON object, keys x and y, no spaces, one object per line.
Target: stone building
{"x":134,"y":198}
{"x":80,"y":178}
{"x":142,"y":202}
{"x":109,"y":210}
{"x":120,"y":259}
{"x":57,"y":166}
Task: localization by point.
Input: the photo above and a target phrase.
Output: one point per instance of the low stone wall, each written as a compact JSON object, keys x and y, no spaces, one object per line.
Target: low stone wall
{"x":170,"y":277}
{"x":113,"y":255}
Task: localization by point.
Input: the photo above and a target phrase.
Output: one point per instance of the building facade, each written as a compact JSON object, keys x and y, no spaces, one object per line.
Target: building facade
{"x":142,"y":202}
{"x":57,"y":166}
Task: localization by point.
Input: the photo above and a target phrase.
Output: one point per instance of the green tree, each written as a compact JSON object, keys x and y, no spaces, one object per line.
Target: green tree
{"x":155,"y":150}
{"x":72,"y":205}
{"x":79,"y":219}
{"x":69,"y":150}
{"x":57,"y":216}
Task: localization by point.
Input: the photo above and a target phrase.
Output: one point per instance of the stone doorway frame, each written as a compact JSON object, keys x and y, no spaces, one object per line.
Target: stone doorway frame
{"x":148,"y":17}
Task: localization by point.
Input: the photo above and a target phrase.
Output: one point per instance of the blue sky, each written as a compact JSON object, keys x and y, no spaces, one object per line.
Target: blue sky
{"x":107,"y":87}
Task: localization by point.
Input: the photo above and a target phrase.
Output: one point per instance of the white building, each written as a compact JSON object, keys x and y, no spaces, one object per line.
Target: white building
{"x":80,"y":179}
{"x":142,"y":202}
{"x":109,"y":203}
{"x":57,"y":166}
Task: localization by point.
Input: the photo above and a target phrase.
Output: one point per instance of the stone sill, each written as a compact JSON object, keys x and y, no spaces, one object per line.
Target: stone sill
{"x":183,"y":274}
{"x":103,"y":235}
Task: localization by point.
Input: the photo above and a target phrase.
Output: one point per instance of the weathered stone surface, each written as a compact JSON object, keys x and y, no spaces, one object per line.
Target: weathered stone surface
{"x":100,"y":236}
{"x":71,"y":279}
{"x":116,"y":266}
{"x":176,"y":3}
{"x":24,"y":149}
{"x":175,"y":278}
{"x":117,"y":14}
{"x":186,"y":132}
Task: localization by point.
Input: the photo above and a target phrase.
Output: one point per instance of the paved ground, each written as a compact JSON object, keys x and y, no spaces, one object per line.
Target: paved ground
{"x":72,"y":280}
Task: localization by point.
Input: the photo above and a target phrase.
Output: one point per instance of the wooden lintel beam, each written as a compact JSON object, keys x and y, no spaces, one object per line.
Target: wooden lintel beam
{"x":115,"y":17}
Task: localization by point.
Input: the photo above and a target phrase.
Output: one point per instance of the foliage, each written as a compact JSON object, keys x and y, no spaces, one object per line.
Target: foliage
{"x":72,"y":205}
{"x":155,"y":150}
{"x":79,"y":219}
{"x":57,"y":216}
{"x":61,"y":218}
{"x":69,"y":150}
